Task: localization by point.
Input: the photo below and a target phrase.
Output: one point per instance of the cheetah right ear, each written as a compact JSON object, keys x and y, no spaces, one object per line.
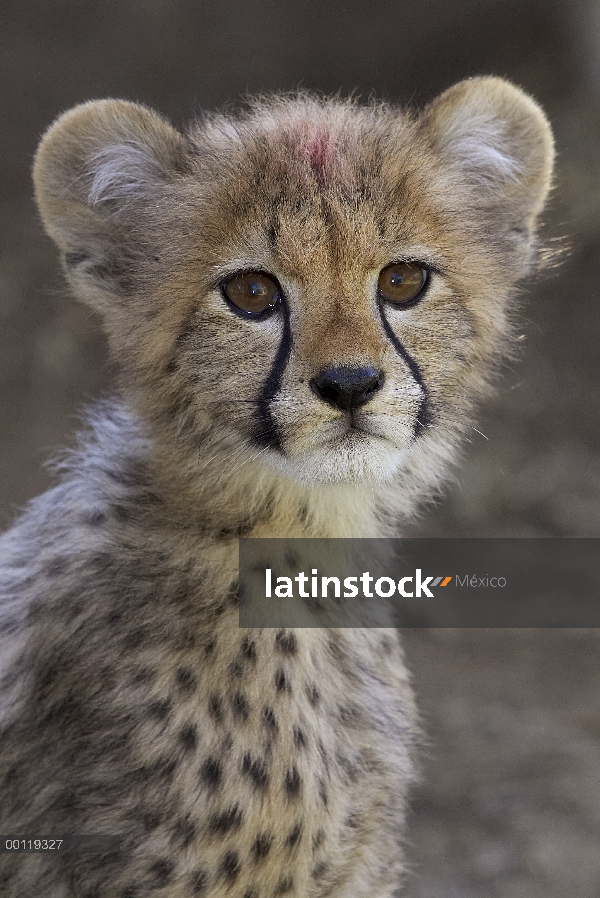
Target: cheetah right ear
{"x":95,"y":169}
{"x":495,"y":138}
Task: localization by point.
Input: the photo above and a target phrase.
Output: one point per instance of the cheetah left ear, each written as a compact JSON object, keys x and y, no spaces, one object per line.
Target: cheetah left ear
{"x":96,"y":169}
{"x":496,"y":139}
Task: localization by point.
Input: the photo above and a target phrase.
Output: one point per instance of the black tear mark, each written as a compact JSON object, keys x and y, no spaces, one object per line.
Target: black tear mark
{"x":265,"y":432}
{"x":424,"y":417}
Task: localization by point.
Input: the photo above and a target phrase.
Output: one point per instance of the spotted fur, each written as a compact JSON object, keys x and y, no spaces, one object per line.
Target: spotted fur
{"x":247,"y":764}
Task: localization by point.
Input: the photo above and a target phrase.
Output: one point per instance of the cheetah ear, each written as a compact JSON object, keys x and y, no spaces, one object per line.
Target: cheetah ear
{"x":498,"y":140}
{"x":94,"y":170}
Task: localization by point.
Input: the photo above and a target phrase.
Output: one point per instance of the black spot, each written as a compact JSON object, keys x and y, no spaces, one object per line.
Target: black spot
{"x":94,"y":518}
{"x":152,"y":820}
{"x":387,"y":645}
{"x":248,"y":649}
{"x":299,"y":738}
{"x":271,"y":234}
{"x":56,"y":566}
{"x":286,"y":642}
{"x":184,"y":832}
{"x":186,"y":681}
{"x":75,"y":258}
{"x":160,"y":709}
{"x":162,"y":871}
{"x":251,"y":893}
{"x":285,"y":885}
{"x":215,"y":708}
{"x":198,"y":881}
{"x":135,"y":638}
{"x":323,"y":755}
{"x":303,"y":510}
{"x":318,"y":839}
{"x":210,"y":646}
{"x":236,"y":668}
{"x":143,"y":675}
{"x":230,"y":866}
{"x":320,"y":870}
{"x":256,"y":770}
{"x":292,"y":783}
{"x":100,"y":562}
{"x":295,"y":835}
{"x":348,"y":767}
{"x":336,"y":649}
{"x":122,"y":513}
{"x":226,"y":533}
{"x":133,"y":474}
{"x":188,"y":736}
{"x":282,"y":684}
{"x":269,"y":719}
{"x":211,"y":773}
{"x":314,"y":696}
{"x":239,"y":707}
{"x":229,"y":821}
{"x":349,"y":715}
{"x":353,"y":821}
{"x":262,"y":846}
{"x":323,"y":793}
{"x":172,"y":366}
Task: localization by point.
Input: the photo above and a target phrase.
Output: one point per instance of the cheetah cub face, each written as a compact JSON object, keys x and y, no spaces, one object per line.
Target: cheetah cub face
{"x":316,"y":286}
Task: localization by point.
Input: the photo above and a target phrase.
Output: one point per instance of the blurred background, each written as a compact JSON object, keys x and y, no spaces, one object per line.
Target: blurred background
{"x":510,"y":801}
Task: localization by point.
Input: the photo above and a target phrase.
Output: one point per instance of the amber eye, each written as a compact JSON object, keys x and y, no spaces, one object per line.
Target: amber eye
{"x":252,"y":292}
{"x":401,"y":282}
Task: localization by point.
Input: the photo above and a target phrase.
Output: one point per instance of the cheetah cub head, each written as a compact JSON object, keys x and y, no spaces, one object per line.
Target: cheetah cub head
{"x":315,"y":287}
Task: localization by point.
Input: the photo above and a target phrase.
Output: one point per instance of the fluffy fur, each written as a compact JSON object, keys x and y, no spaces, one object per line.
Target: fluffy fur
{"x":249,"y":764}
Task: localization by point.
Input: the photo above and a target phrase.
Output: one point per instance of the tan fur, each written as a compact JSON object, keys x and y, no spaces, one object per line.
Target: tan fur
{"x":242,"y":763}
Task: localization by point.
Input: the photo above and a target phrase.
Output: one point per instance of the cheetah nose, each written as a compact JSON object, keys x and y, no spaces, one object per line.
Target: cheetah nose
{"x":347,"y":388}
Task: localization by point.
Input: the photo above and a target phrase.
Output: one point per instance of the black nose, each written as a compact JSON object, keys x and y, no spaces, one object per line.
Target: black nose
{"x":347,"y":388}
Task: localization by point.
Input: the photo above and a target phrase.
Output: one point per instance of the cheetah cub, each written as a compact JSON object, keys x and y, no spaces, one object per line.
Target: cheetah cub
{"x":303,"y":303}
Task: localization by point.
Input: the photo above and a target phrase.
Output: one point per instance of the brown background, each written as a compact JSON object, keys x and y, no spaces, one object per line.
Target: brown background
{"x":510,"y":805}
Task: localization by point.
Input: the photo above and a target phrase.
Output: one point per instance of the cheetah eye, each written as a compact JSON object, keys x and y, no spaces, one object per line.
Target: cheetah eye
{"x":253,"y":292}
{"x":402,"y":282}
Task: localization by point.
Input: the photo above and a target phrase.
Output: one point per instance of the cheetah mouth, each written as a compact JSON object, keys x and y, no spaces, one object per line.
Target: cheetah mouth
{"x":354,"y":427}
{"x":357,"y":436}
